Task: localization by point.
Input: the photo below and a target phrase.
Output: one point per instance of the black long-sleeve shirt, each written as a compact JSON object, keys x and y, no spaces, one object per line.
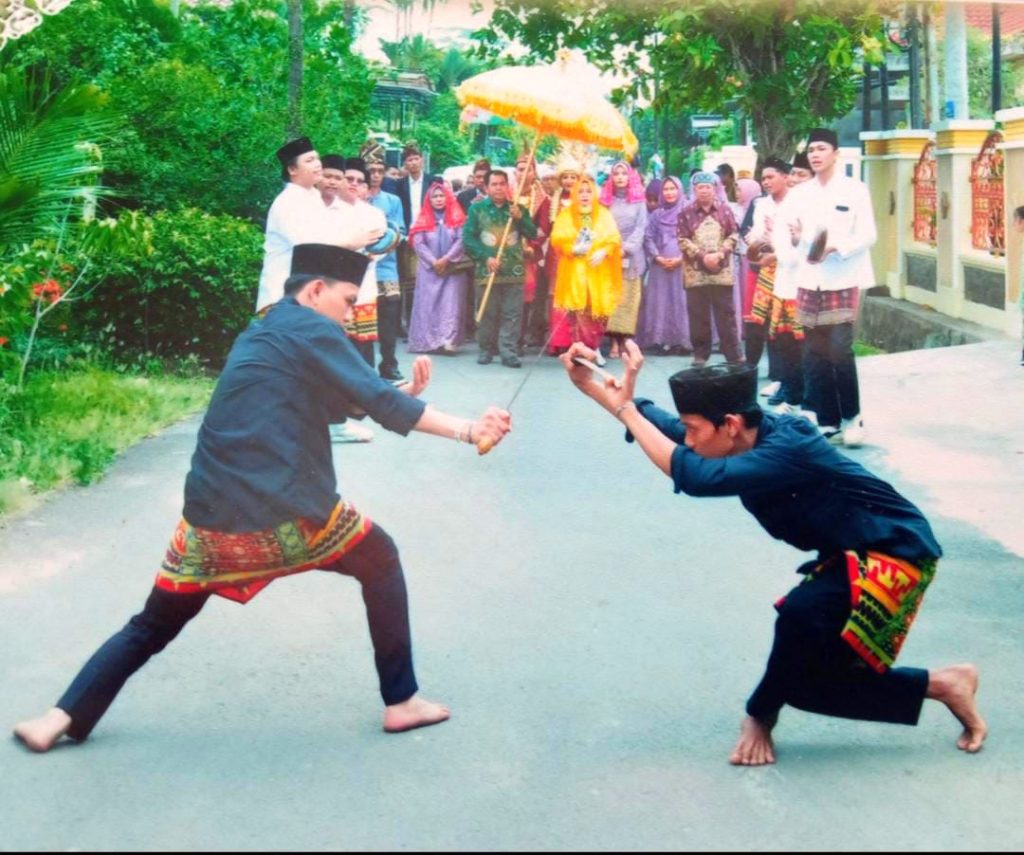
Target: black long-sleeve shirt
{"x":802,"y":490}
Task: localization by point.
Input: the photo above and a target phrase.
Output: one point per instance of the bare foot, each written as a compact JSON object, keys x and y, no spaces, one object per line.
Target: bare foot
{"x":41,"y":734}
{"x":956,"y":687}
{"x":755,"y":747}
{"x":413,"y":713}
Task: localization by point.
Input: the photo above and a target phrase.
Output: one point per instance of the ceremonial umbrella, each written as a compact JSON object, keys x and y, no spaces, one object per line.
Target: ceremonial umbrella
{"x":555,"y":99}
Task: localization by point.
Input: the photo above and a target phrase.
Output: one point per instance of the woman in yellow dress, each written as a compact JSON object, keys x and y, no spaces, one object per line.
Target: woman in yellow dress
{"x":588,"y":285}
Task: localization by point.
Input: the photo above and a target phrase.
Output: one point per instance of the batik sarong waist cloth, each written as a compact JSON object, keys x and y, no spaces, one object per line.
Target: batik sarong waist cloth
{"x":363,"y":326}
{"x":238,"y":565}
{"x":826,"y":308}
{"x":885,"y":594}
{"x":769,"y":310}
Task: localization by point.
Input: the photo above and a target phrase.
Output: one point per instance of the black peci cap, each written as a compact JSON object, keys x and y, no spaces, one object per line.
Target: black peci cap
{"x":328,"y":261}
{"x":714,"y":391}
{"x":291,"y":150}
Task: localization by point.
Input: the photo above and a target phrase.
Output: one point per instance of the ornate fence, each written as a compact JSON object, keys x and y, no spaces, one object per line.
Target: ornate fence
{"x":926,"y":197}
{"x":987,"y":225}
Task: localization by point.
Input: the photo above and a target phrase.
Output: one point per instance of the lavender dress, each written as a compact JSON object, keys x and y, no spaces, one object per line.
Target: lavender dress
{"x":438,"y":315}
{"x":663,"y":319}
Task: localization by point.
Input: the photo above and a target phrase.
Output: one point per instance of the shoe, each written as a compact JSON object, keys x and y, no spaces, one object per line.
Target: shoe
{"x":599,"y":360}
{"x":510,"y":362}
{"x":771,"y":389}
{"x":853,"y":432}
{"x":485,"y":359}
{"x":776,"y":399}
{"x":350,"y":432}
{"x":392,"y":375}
{"x":834,"y":435}
{"x":784,"y":409}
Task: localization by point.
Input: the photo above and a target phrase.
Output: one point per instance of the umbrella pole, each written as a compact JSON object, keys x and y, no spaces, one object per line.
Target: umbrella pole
{"x":504,"y":237}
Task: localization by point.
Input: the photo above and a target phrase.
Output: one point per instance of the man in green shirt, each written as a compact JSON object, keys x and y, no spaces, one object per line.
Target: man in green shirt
{"x":499,"y":328}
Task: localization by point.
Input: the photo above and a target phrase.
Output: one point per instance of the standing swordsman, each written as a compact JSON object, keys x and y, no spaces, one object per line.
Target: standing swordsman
{"x":261,"y":498}
{"x":838,"y":633}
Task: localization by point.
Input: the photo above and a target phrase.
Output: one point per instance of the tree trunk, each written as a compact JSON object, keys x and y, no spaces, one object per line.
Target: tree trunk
{"x":774,"y":138}
{"x":295,"y":63}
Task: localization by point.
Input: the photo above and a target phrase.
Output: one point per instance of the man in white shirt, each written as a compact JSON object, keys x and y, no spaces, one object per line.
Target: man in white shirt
{"x":298,"y":215}
{"x":832,"y":228}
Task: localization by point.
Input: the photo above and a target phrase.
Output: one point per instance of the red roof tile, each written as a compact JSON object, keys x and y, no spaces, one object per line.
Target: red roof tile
{"x":979,"y":16}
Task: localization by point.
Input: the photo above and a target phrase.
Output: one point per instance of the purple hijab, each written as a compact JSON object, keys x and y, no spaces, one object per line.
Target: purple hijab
{"x":666,"y":215}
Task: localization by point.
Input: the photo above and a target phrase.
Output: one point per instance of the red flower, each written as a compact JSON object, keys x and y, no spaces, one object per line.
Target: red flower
{"x":63,"y":328}
{"x":48,"y":290}
{"x":3,"y":340}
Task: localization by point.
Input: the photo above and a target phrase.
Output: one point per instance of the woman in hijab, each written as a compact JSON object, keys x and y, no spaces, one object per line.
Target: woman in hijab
{"x":568,"y":172}
{"x":437,"y":318}
{"x":588,"y":286}
{"x":623,"y":195}
{"x":663,"y":326}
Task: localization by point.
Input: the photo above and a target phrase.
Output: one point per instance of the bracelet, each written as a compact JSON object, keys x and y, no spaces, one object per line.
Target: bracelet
{"x":469,"y":433}
{"x":621,"y":407}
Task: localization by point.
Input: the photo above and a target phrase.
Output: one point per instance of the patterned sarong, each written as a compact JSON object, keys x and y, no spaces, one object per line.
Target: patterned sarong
{"x":885,"y":594}
{"x":363,"y":326}
{"x":768,"y":310}
{"x":826,"y":308}
{"x":240,"y":565}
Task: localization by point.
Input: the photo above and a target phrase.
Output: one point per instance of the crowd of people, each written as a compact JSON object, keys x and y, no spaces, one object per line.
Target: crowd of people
{"x":543,"y":256}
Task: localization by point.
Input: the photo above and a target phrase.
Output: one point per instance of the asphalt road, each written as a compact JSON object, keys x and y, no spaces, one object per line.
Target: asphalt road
{"x":595,"y":635}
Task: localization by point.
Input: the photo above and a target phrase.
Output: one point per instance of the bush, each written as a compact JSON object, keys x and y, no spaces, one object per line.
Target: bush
{"x":188,"y":295}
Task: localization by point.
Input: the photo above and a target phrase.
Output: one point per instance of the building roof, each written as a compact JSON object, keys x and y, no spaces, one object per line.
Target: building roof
{"x":979,"y":16}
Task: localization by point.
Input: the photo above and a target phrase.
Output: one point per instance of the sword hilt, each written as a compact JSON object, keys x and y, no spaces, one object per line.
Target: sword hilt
{"x":484,"y":445}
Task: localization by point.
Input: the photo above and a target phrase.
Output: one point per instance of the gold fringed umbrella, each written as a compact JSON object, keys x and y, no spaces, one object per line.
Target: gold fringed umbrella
{"x":552,"y":99}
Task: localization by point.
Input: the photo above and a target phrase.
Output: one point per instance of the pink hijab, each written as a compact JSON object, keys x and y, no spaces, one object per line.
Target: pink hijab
{"x":634,"y":189}
{"x":747,"y":190}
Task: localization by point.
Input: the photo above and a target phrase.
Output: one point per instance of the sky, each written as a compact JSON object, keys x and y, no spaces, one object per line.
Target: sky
{"x":449,"y":22}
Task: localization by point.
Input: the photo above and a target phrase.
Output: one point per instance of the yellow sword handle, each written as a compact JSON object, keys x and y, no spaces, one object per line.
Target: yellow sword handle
{"x":484,"y":445}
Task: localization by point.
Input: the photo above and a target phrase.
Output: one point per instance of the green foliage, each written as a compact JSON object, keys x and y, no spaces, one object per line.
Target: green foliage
{"x":979,"y":76}
{"x":439,"y":132}
{"x":67,"y":427}
{"x":50,"y":155}
{"x":205,"y":96}
{"x":787,"y":65}
{"x":189,"y":294}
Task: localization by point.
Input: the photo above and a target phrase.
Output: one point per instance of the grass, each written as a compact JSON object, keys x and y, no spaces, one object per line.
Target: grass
{"x":68,"y":427}
{"x":862,"y":348}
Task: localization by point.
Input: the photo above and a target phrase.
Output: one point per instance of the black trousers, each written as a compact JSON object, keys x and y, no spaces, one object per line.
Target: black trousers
{"x":813,"y":669}
{"x":830,"y":374}
{"x":374,"y":563}
{"x":789,"y":365}
{"x":701,"y":302}
{"x":389,"y":328}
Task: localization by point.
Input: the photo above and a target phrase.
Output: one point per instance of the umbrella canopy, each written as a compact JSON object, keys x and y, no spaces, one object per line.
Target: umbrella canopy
{"x":551,"y":99}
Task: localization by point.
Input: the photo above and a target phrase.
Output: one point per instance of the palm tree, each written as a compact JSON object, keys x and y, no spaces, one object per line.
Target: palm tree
{"x":50,"y":155}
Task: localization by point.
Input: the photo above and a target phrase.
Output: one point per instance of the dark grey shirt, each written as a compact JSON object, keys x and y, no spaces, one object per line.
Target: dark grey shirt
{"x":264,"y":450}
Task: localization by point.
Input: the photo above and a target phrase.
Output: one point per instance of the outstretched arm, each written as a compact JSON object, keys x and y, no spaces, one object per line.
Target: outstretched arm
{"x":617,"y":398}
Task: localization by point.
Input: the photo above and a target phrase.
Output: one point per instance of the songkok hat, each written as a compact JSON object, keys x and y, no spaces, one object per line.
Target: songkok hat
{"x":714,"y":391}
{"x":328,"y":261}
{"x":778,"y":164}
{"x":291,"y":150}
{"x":800,"y":161}
{"x":333,"y":161}
{"x":356,"y":163}
{"x":372,"y":152}
{"x":823,"y":135}
{"x":704,"y":178}
{"x":411,"y":150}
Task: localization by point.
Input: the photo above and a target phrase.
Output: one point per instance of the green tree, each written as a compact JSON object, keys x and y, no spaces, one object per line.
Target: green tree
{"x":787,"y":65}
{"x":50,"y":155}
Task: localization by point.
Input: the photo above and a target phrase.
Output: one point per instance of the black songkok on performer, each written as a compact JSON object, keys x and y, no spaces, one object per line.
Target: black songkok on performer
{"x":333,"y":161}
{"x":714,"y":391}
{"x":291,"y":150}
{"x":823,"y":135}
{"x":330,"y":262}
